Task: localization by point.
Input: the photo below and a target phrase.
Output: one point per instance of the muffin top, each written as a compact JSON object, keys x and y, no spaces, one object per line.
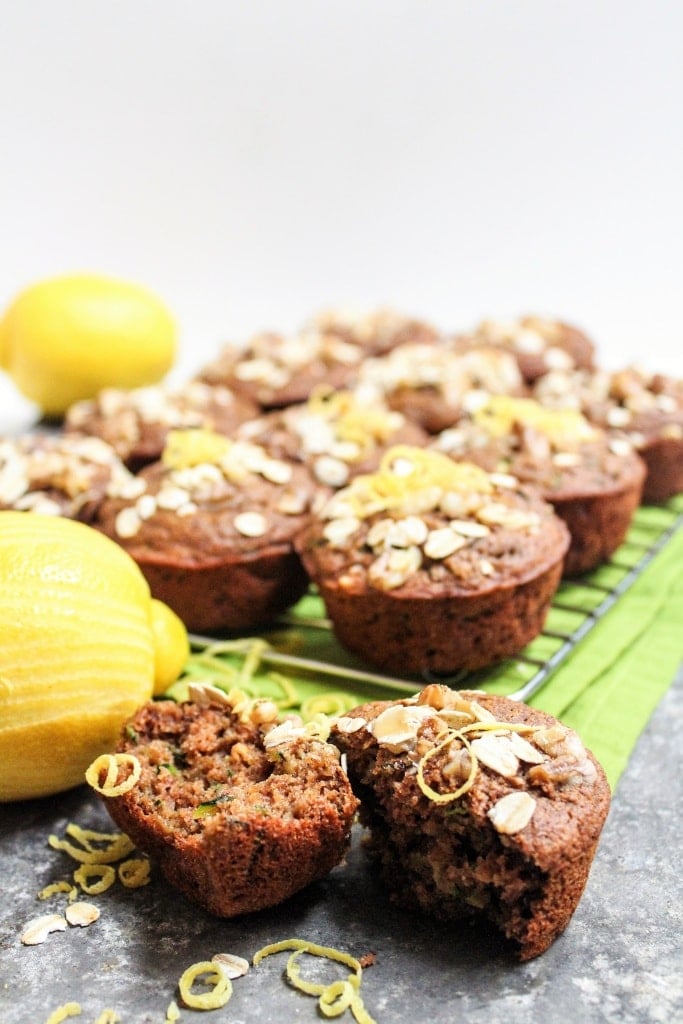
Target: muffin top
{"x":334,"y":433}
{"x":433,"y":384}
{"x":427,"y":525}
{"x":276,"y":370}
{"x":135,"y":422}
{"x":57,"y":474}
{"x":516,"y":769}
{"x":558,"y":451}
{"x":206,"y":497}
{"x":539,"y":344}
{"x":638,"y":405}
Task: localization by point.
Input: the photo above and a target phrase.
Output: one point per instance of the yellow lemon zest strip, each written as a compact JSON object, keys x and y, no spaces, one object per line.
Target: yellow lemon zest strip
{"x":172,"y":1013}
{"x":108,"y":1017}
{"x":405,"y":472}
{"x":213,"y":1000}
{"x":252,"y":661}
{"x":56,"y":887}
{"x":318,"y":727}
{"x":105,"y":872}
{"x":336,"y":998}
{"x":119,"y":846}
{"x":561,"y":426}
{"x":289,"y":698}
{"x":499,"y":728}
{"x":88,"y":837}
{"x":112,"y":763}
{"x":326,"y":704}
{"x":354,"y":422}
{"x":333,"y":998}
{"x":445,"y":798}
{"x":194,"y":446}
{"x":62,"y":1012}
{"x":134,"y":873}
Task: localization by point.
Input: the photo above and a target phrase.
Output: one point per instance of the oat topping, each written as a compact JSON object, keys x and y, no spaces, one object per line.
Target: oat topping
{"x":204,"y":467}
{"x":451,"y":737}
{"x":512,"y":812}
{"x":372,"y":329}
{"x":397,"y":727}
{"x":180,"y":407}
{"x":58,"y":475}
{"x":563,"y":428}
{"x":251,"y":524}
{"x":273,"y":360}
{"x":528,"y":336}
{"x":630,"y":402}
{"x":470,"y":376}
{"x":418,"y":490}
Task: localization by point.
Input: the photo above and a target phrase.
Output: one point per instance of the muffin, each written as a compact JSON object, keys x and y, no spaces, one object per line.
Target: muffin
{"x":334,"y":434}
{"x":479,"y":806}
{"x":239,"y":812}
{"x":60,"y":475}
{"x":428,"y":565}
{"x":539,"y":344}
{"x":593,"y":481}
{"x":136,"y":422}
{"x":645,"y":408}
{"x":433,"y":385}
{"x":212,"y":529}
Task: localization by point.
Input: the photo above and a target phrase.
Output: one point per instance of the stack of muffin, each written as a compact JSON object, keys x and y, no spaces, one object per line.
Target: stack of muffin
{"x":434,"y":487}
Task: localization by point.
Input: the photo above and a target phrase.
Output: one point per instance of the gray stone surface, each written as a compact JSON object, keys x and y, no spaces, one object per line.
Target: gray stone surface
{"x":620,"y":961}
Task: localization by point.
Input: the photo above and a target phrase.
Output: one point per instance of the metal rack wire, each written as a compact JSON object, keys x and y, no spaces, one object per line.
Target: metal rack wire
{"x":591,"y":618}
{"x":627,"y":565}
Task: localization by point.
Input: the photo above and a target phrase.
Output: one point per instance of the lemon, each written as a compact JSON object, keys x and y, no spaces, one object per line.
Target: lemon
{"x":77,"y":650}
{"x":171,"y":646}
{"x":66,"y":338}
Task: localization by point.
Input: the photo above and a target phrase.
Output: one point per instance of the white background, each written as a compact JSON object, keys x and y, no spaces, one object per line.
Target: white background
{"x":255,"y":161}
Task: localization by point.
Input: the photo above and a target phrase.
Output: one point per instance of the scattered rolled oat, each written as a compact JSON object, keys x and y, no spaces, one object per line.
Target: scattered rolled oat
{"x":37,"y":930}
{"x":82,"y":914}
{"x":233,"y":966}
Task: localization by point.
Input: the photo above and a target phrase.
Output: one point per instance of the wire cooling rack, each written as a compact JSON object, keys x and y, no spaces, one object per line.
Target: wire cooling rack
{"x":302,"y":642}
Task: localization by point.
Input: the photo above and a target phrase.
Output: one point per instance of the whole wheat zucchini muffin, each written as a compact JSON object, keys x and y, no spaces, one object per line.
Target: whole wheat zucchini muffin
{"x":477,"y":805}
{"x":645,"y":409}
{"x":212,"y":527}
{"x":593,"y":481}
{"x":240,"y":812}
{"x":431,"y":565}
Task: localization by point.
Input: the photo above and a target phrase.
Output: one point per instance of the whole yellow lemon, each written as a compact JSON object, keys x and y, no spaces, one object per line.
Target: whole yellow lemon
{"x":171,"y":645}
{"x":77,"y":650}
{"x":66,"y":338}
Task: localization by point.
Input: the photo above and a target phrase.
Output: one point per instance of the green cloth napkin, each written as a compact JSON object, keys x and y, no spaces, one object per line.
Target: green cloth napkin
{"x":611,"y":684}
{"x":605,"y":688}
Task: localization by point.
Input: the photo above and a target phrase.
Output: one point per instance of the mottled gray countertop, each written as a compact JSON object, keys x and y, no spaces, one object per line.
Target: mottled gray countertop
{"x":620,"y":960}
